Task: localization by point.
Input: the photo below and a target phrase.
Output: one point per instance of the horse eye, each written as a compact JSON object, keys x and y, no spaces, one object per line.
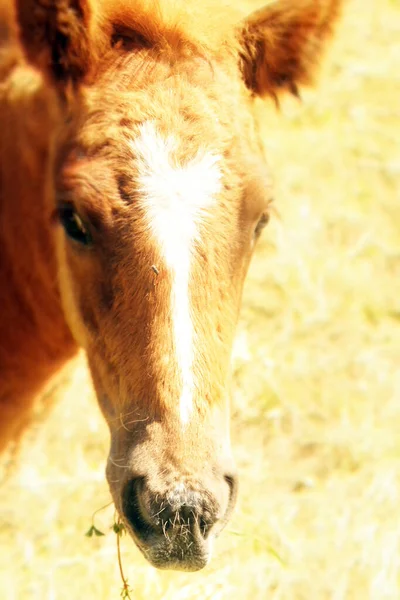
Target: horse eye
{"x":263,"y":221}
{"x":73,"y":225}
{"x":128,"y":39}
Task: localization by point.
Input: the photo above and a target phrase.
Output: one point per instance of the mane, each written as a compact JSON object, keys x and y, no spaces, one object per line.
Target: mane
{"x":6,"y":19}
{"x":204,"y":25}
{"x":10,"y":53}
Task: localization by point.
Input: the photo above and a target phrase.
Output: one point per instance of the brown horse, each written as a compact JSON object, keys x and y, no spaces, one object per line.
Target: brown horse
{"x":133,"y":188}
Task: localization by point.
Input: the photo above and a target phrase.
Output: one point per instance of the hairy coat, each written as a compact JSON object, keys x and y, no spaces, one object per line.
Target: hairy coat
{"x":133,"y":188}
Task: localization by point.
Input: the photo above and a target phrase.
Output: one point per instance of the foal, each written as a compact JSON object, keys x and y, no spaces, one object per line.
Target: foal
{"x":133,"y":188}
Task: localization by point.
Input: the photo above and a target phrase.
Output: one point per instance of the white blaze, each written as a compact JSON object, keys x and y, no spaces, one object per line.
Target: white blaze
{"x":175,"y":200}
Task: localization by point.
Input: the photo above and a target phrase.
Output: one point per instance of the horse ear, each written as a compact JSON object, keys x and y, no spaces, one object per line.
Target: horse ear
{"x":282,"y":43}
{"x":55,"y":37}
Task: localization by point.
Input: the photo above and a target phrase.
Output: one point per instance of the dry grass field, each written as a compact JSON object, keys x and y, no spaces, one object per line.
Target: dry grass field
{"x":316,"y":407}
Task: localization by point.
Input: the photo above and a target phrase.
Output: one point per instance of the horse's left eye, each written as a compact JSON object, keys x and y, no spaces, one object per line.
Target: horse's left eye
{"x":73,"y":225}
{"x":263,"y":221}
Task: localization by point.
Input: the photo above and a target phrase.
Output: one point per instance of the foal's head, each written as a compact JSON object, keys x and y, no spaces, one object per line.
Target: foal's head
{"x":161,"y":191}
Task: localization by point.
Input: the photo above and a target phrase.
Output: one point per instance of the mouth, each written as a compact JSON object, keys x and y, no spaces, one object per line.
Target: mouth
{"x":172,"y":557}
{"x":176,"y":551}
{"x":167,"y":544}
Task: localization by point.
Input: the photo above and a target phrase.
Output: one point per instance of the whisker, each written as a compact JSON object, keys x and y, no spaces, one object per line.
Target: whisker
{"x":124,"y":425}
{"x":111,"y":460}
{"x":159,"y":512}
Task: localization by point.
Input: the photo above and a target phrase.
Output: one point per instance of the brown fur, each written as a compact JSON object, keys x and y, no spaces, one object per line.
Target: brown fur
{"x":283,"y":43}
{"x":192,"y":72}
{"x":35,"y":341}
{"x":55,"y":36}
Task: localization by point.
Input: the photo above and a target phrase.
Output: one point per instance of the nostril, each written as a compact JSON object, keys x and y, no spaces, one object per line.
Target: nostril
{"x":205,"y":527}
{"x":133,"y":510}
{"x":177,"y":511}
{"x":232,"y":482}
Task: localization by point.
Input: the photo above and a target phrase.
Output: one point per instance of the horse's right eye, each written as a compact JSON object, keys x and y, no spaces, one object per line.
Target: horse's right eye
{"x":73,"y":225}
{"x":129,"y":39}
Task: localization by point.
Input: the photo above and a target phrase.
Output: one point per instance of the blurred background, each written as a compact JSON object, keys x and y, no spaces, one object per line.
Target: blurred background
{"x":316,"y":402}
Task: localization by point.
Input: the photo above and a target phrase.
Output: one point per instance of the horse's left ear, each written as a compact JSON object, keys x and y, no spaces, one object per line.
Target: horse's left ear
{"x":55,"y":37}
{"x":282,"y":43}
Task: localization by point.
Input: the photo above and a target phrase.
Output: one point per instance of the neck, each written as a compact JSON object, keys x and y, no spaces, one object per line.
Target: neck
{"x":34,"y":338}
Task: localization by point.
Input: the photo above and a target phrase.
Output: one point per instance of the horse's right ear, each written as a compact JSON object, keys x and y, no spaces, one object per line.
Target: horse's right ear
{"x":55,"y":37}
